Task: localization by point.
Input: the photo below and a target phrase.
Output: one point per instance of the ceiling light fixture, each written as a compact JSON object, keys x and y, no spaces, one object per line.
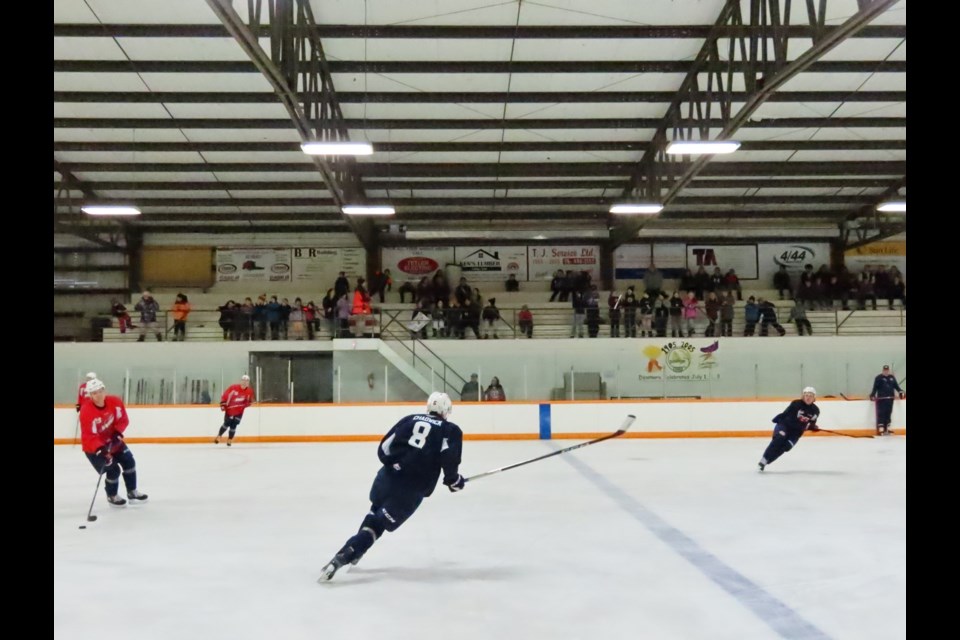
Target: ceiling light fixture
{"x":367,"y":210}
{"x":702,"y":147}
{"x":643,"y":208}
{"x":110,"y":210}
{"x":893,"y":205}
{"x":337,"y":148}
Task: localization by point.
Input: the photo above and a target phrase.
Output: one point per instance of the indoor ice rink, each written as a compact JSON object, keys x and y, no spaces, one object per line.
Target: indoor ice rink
{"x":629,"y":538}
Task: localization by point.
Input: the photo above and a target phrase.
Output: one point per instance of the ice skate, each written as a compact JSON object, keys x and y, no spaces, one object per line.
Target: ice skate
{"x":331,"y":568}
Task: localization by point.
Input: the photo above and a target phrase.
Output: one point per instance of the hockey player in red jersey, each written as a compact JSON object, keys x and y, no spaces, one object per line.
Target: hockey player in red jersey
{"x":103,"y":419}
{"x":82,"y":391}
{"x":234,"y":400}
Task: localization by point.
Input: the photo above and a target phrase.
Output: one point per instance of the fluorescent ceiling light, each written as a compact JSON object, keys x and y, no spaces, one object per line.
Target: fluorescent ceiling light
{"x":368,"y":210}
{"x":110,"y":210}
{"x":337,"y":148}
{"x":893,"y":205}
{"x":648,"y":208}
{"x":702,"y":147}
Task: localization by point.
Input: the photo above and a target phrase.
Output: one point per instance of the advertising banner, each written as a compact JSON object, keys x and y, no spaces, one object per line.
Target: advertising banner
{"x":322,"y":265}
{"x":491,"y":262}
{"x":413,"y":263}
{"x":740,"y":257}
{"x":544,"y":260}
{"x":877,"y":255}
{"x":253,"y":265}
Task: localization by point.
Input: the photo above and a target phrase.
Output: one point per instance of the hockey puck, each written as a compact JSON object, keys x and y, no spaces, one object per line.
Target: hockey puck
{"x":83,"y":526}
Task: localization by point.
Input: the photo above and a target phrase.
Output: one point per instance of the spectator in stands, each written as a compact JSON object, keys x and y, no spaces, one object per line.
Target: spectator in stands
{"x":118,"y":311}
{"x":379,"y":283}
{"x":273,"y":317}
{"x":653,"y":281}
{"x":751,"y":316}
{"x":511,"y":284}
{"x":440,"y":289}
{"x":491,"y":316}
{"x":343,"y":316}
{"x":471,"y":389}
{"x":821,"y":293}
{"x":630,"y":306}
{"x":717,"y":282}
{"x":711,"y":307}
{"x":260,"y":318}
{"x":569,"y":285}
{"x":897,"y":291}
{"x":341,"y":286}
{"x":691,"y":305}
{"x":645,"y":311}
{"x":361,"y":311}
{"x":732,"y":283}
{"x":439,"y":321}
{"x":701,"y":283}
{"x":329,"y":303}
{"x":881,"y":283}
{"x":470,"y":318}
{"x":311,"y":319}
{"x":579,"y":305}
{"x":613,"y":304}
{"x":806,"y":294}
{"x":297,"y":321}
{"x":727,"y":308}
{"x":454,"y":320}
{"x":556,"y":285}
{"x":865,"y":290}
{"x":463,"y":293}
{"x":781,"y":282}
{"x":227,"y":316}
{"x":284,"y":319}
{"x":661,"y":314}
{"x":180,"y":311}
{"x":687,"y":281}
{"x":243,"y":321}
{"x":148,"y":308}
{"x":405,"y":288}
{"x":798,"y":315}
{"x":768,"y":317}
{"x":676,"y":315}
{"x":525,"y":320}
{"x":494,"y":392}
{"x":591,"y":301}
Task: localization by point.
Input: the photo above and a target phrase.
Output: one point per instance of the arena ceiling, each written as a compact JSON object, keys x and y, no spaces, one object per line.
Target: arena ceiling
{"x":506,"y":120}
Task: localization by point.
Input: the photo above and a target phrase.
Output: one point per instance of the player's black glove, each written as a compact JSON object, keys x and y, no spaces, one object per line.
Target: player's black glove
{"x":78,"y":407}
{"x":455,"y":484}
{"x":902,"y":395}
{"x":223,"y":407}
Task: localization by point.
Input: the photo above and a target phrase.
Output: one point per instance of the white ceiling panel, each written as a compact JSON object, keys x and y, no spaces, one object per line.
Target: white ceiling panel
{"x":165,"y":193}
{"x":109,"y":110}
{"x":863,"y":49}
{"x":182,"y":49}
{"x":754,"y":156}
{"x":693,"y":191}
{"x":808,"y":191}
{"x":618,"y":12}
{"x":533,"y":135}
{"x":423,"y":111}
{"x":795,"y":110}
{"x":886,"y":82}
{"x":118,"y":135}
{"x":429,"y":157}
{"x":575,"y":110}
{"x":277,"y":193}
{"x":426,"y":135}
{"x":872,"y":110}
{"x":854,"y":155}
{"x":207,"y":82}
{"x":257,"y":110}
{"x":571,"y":156}
{"x":156,"y":11}
{"x":145,"y":176}
{"x":269,"y":176}
{"x":188,"y":211}
{"x":86,"y":49}
{"x":596,"y":81}
{"x":256,"y":156}
{"x":129,"y":156}
{"x":88,"y":81}
{"x":811,"y":81}
{"x":413,"y":82}
{"x":243,"y":135}
{"x":416,"y":49}
{"x":607,"y":49}
{"x":72,"y":11}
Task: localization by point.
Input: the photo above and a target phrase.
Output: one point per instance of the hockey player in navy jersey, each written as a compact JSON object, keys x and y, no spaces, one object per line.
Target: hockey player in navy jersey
{"x":413,"y":453}
{"x":885,"y":389}
{"x":799,"y":416}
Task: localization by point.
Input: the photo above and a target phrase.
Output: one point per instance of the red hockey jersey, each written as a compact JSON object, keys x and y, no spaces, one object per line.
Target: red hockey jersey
{"x":99,"y":424}
{"x":235,"y":399}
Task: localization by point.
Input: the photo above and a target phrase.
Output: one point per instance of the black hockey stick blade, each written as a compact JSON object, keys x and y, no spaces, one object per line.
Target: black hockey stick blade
{"x":840,"y":433}
{"x":619,"y":432}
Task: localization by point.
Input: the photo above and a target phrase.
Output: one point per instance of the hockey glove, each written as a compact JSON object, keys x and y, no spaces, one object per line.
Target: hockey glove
{"x":104,"y":452}
{"x":78,"y":407}
{"x":223,"y":407}
{"x":457,"y":484}
{"x":902,"y":395}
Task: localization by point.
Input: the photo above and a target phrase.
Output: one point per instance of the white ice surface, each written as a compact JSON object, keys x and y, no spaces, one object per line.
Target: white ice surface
{"x":652,"y":539}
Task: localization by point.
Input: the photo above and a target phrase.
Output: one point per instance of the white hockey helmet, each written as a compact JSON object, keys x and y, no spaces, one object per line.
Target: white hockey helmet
{"x":439,"y":402}
{"x":94,"y":385}
{"x":810,"y":390}
{"x":91,"y":375}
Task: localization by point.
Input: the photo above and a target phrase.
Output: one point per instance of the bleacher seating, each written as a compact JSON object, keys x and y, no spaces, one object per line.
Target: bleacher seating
{"x":551,"y":319}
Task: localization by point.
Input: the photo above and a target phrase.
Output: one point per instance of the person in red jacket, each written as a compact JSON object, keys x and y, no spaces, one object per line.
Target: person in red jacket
{"x":82,"y":391}
{"x":234,"y":400}
{"x":103,"y":419}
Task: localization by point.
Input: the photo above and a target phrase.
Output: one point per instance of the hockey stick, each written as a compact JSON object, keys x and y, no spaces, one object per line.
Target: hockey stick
{"x":619,"y":432}
{"x":840,"y":433}
{"x":90,"y":516}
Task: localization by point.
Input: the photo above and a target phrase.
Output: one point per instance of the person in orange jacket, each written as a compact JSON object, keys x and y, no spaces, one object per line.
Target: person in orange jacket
{"x":181,"y":309}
